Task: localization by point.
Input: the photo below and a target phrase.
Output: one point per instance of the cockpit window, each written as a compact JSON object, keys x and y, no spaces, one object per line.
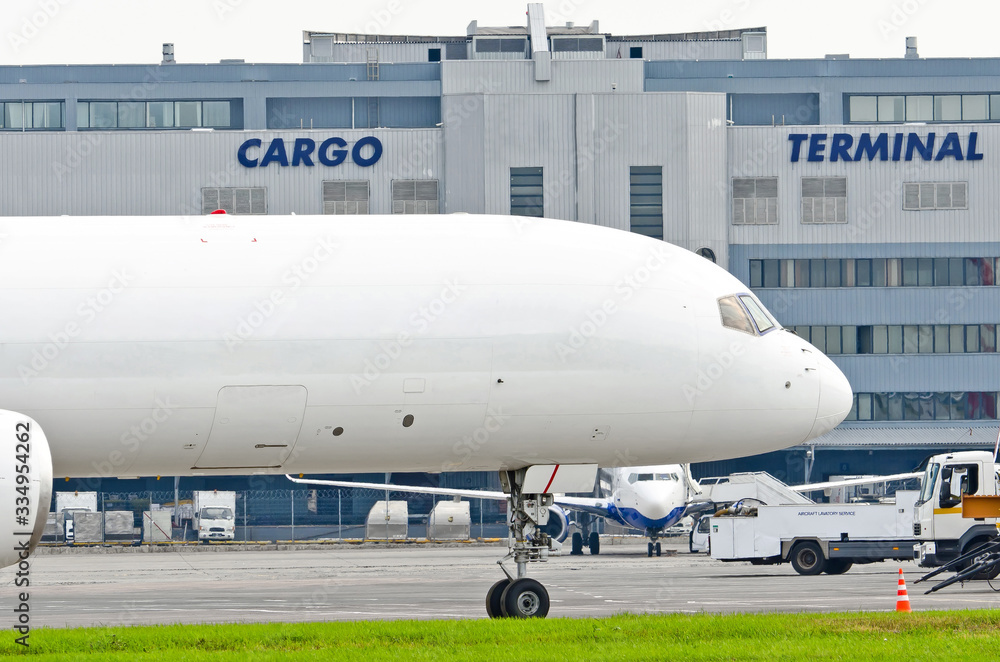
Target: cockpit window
{"x":632,"y":478}
{"x":733,"y":315}
{"x":764,"y":322}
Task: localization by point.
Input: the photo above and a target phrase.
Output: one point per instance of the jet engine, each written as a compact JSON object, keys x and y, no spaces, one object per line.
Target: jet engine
{"x":25,"y":486}
{"x":558,"y":524}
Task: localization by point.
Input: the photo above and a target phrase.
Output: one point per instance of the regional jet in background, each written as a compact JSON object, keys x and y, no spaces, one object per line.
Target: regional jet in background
{"x":140,"y":346}
{"x":650,"y":499}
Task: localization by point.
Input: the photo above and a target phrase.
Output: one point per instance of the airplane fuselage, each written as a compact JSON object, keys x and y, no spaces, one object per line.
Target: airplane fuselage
{"x":229,"y":345}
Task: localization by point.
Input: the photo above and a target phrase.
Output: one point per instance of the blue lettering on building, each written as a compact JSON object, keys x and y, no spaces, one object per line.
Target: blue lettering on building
{"x":905,"y":147}
{"x":331,"y":152}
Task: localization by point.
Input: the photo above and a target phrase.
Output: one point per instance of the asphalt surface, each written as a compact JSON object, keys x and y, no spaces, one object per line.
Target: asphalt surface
{"x":353,"y":582}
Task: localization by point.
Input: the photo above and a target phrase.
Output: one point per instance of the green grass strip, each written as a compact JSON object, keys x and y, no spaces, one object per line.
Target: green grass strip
{"x":953,"y":635}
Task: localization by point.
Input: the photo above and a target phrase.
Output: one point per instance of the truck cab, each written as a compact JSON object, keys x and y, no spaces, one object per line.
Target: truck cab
{"x":214,"y":515}
{"x":942,"y":532}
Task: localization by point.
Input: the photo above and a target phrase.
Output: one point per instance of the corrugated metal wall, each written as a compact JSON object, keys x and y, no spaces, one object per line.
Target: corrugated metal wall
{"x":875,"y":212}
{"x":156,"y":173}
{"x":921,"y":373}
{"x":679,"y":50}
{"x":518,"y":77}
{"x":324,"y":51}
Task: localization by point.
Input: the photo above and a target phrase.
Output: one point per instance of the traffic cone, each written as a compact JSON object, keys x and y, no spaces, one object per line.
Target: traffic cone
{"x":902,"y":599}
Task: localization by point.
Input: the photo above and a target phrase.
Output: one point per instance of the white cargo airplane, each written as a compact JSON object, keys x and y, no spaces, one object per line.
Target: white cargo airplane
{"x":137,"y":346}
{"x":650,"y":499}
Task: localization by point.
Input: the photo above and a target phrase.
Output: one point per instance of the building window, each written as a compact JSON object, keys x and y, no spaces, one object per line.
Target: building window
{"x":646,"y":200}
{"x":755,"y":201}
{"x":46,"y":114}
{"x":577,"y":45}
{"x":526,"y":193}
{"x":234,"y":200}
{"x":635,"y":52}
{"x":500,"y":45}
{"x":433,"y":54}
{"x":902,"y":338}
{"x":918,"y":196}
{"x":896,"y":108}
{"x":345,"y":197}
{"x":946,"y":406}
{"x":154,"y":114}
{"x":414,"y":196}
{"x":875,"y":272}
{"x":32,"y":115}
{"x":824,"y":199}
{"x":457,"y":51}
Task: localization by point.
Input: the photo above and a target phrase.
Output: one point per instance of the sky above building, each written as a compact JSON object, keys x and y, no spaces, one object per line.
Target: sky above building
{"x":133,"y":31}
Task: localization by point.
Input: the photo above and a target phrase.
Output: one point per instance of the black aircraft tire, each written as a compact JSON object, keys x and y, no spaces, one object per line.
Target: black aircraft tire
{"x":577,"y":544}
{"x":494,"y":606}
{"x":807,"y":558}
{"x":525,"y":598}
{"x":595,"y":543}
{"x":658,"y":550}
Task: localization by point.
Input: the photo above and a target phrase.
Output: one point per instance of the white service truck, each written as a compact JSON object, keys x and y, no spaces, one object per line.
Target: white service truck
{"x":942,"y":533}
{"x":831,"y":538}
{"x":215,"y":515}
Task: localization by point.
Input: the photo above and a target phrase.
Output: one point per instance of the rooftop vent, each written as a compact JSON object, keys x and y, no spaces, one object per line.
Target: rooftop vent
{"x":911,"y":48}
{"x":168,"y":54}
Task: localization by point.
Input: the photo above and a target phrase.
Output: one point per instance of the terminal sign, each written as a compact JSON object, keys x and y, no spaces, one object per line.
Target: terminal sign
{"x":887,"y":147}
{"x":304,"y":151}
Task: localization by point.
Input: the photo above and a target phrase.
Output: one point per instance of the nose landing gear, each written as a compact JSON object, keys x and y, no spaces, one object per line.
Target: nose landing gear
{"x":654,"y":544}
{"x":522,"y":597}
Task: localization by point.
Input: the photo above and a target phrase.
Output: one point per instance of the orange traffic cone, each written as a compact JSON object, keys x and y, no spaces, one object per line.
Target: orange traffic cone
{"x":902,"y":599}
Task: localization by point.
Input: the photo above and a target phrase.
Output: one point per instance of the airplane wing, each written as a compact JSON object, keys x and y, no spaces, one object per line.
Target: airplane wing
{"x":440,"y":491}
{"x":697,"y":508}
{"x":854,"y":481}
{"x":594,"y":506}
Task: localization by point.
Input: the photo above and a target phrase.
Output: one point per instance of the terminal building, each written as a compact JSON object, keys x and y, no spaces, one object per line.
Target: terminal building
{"x":858,"y":198}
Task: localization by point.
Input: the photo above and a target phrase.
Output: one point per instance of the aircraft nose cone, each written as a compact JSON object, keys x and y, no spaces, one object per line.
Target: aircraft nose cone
{"x":654,"y":501}
{"x":835,"y":398}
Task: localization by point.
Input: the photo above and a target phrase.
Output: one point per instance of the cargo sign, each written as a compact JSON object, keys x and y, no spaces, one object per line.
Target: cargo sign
{"x":331,"y":152}
{"x":885,"y":146}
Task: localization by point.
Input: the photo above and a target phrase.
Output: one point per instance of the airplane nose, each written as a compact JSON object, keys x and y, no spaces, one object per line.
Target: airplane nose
{"x":654,"y":500}
{"x":835,"y":398}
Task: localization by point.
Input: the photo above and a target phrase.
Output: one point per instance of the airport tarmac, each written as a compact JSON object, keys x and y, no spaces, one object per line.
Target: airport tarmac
{"x":354,"y":582}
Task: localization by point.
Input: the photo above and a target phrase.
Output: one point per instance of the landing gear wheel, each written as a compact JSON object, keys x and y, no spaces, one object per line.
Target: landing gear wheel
{"x":595,"y":543}
{"x":494,"y":606}
{"x":525,"y":598}
{"x":838,"y":566}
{"x":658,"y":549}
{"x":649,"y":549}
{"x":807,"y":558}
{"x":577,"y":544}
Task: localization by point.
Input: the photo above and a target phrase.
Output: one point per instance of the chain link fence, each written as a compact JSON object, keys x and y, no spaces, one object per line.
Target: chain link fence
{"x":276,"y":515}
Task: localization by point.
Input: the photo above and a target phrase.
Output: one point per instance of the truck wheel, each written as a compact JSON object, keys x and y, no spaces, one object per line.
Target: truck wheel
{"x":807,"y":558}
{"x":838,"y":566}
